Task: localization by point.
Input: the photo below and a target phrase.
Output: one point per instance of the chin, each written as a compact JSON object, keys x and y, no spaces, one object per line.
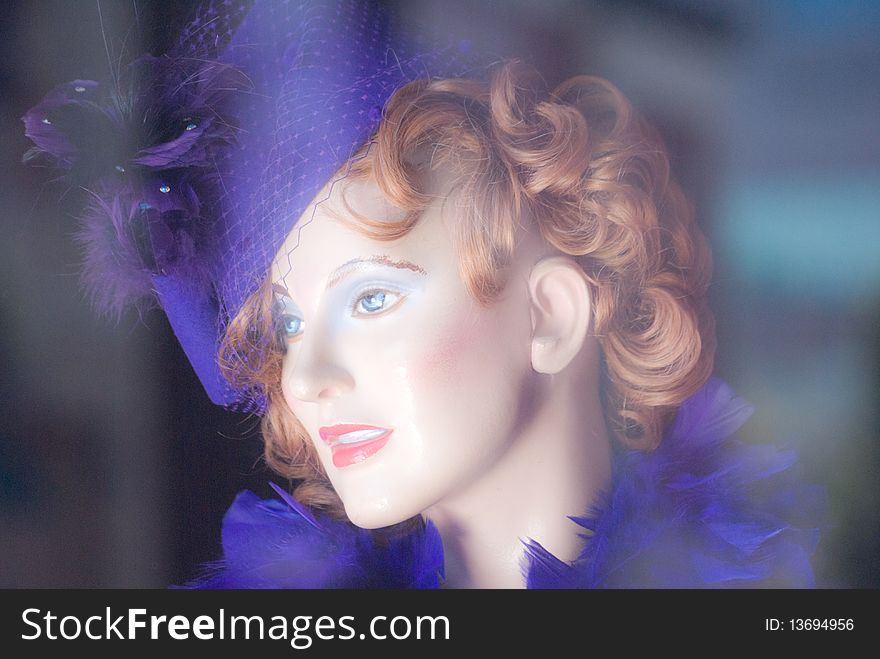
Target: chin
{"x":376,"y":515}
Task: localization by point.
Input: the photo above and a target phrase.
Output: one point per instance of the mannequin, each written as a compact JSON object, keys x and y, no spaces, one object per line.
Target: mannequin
{"x":470,"y":310}
{"x":475,"y":402}
{"x":480,"y":400}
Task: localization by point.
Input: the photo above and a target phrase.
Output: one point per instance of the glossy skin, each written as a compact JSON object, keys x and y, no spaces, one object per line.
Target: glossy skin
{"x":397,"y":342}
{"x":487,"y":420}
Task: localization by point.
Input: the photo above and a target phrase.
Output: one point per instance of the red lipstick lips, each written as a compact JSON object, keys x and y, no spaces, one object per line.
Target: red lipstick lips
{"x":353,"y":442}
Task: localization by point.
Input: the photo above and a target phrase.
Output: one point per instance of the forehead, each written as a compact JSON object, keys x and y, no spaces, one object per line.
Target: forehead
{"x":327,"y":235}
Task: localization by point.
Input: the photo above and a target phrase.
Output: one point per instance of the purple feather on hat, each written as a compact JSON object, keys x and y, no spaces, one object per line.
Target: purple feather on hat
{"x":145,"y":150}
{"x":201,"y":161}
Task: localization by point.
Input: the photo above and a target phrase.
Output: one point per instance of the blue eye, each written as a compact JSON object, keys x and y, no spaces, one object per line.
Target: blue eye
{"x":374,"y":302}
{"x":291,"y":326}
{"x":287,"y":320}
{"x":371,"y":302}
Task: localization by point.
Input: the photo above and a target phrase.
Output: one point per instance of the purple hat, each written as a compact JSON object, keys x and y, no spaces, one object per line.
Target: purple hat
{"x":201,"y":161}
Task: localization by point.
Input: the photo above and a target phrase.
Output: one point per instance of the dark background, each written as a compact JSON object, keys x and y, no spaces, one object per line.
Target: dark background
{"x":115,"y":469}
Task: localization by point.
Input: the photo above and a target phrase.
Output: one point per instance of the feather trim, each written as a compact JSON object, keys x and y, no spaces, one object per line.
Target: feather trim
{"x":278,"y":544}
{"x":702,"y":510}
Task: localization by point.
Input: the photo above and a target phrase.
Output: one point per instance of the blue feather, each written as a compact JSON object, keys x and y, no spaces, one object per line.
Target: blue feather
{"x":702,"y":510}
{"x":296,"y":505}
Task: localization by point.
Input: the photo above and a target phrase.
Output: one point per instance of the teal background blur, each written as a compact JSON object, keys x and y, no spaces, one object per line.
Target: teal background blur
{"x":115,"y":470}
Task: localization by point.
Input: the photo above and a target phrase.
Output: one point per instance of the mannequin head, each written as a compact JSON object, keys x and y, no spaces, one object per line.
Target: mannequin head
{"x":386,"y":334}
{"x":492,"y":249}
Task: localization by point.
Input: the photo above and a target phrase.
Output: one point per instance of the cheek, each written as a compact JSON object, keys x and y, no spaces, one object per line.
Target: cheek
{"x":305,"y":413}
{"x":465,"y":350}
{"x":449,"y":353}
{"x":442,"y":359}
{"x":286,"y":388}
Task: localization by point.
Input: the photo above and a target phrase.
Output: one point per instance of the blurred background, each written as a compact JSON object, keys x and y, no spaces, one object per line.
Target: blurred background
{"x":115,"y":469}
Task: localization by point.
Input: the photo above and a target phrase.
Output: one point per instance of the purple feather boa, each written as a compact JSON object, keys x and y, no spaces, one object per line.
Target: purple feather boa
{"x":279,"y":544}
{"x":703,"y":510}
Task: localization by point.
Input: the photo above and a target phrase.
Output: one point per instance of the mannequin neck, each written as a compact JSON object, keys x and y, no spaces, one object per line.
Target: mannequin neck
{"x":555,"y":467}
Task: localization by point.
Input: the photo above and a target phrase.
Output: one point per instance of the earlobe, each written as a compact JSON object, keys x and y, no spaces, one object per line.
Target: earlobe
{"x":560,"y":311}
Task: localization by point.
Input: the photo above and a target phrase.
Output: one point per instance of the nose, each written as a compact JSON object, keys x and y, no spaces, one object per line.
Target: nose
{"x":316,"y":374}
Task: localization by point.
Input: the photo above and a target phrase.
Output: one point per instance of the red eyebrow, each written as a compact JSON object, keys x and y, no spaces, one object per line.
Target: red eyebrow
{"x":347,"y":268}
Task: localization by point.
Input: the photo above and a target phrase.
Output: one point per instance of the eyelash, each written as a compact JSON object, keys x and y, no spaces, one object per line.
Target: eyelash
{"x":281,"y":330}
{"x":399,"y":296}
{"x":353,"y":307}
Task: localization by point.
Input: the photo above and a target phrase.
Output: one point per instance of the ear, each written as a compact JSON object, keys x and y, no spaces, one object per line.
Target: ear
{"x":560,"y":312}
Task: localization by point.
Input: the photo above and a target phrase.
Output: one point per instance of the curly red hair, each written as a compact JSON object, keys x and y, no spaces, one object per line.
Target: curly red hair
{"x":594,"y":179}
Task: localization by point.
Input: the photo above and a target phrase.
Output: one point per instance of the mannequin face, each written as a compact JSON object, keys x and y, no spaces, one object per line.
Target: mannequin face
{"x":408,"y":388}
